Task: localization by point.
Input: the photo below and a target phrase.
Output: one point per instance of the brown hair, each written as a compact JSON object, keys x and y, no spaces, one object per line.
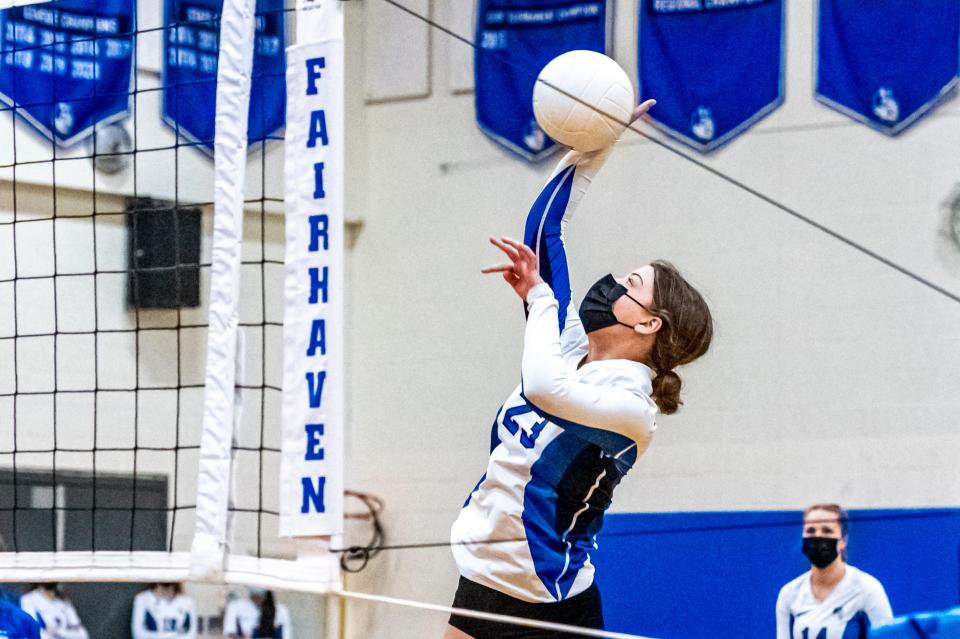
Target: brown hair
{"x":685,"y":335}
{"x":842,"y":518}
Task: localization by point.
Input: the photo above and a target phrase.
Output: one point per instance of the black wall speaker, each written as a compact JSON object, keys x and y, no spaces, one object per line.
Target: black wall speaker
{"x":164,"y":254}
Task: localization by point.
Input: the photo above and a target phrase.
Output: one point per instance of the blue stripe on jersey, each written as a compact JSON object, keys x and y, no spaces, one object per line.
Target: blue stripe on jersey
{"x":857,"y":627}
{"x":792,"y":621}
{"x":543,"y":235}
{"x":611,"y":443}
{"x":494,"y":442}
{"x":570,"y":487}
{"x":474,"y":489}
{"x":149,"y":622}
{"x":539,"y":517}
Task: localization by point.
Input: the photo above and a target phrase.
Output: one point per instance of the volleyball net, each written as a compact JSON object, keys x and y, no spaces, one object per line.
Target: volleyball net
{"x":142,"y":278}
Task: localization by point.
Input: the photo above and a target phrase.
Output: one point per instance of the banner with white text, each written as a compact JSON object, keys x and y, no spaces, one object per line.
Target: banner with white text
{"x":313,"y":380}
{"x":191,"y":46}
{"x":66,"y":66}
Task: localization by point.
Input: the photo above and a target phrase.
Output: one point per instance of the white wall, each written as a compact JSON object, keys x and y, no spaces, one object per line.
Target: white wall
{"x":831,"y":376}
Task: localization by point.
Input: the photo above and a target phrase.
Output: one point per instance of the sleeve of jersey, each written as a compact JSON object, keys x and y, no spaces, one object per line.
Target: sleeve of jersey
{"x":878,"y":605}
{"x":283,"y":624}
{"x":73,"y":629}
{"x":547,"y":221}
{"x":550,"y":386}
{"x":27,"y":605}
{"x":783,"y":616}
{"x":138,"y":626}
{"x":189,"y":627}
{"x":230,"y":621}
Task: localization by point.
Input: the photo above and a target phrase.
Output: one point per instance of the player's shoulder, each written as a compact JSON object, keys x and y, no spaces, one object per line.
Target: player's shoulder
{"x":31,"y":598}
{"x":792,"y":588}
{"x":182,"y":600}
{"x":865,"y":582}
{"x":143,"y":596}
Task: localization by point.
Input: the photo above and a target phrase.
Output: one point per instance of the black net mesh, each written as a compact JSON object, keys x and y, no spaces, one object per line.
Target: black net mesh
{"x":105,"y":277}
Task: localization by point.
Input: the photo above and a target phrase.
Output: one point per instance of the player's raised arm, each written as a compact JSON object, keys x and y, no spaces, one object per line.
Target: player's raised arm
{"x":544,"y":231}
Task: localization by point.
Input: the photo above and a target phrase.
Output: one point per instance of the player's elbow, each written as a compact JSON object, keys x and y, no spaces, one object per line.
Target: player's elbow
{"x":544,"y":391}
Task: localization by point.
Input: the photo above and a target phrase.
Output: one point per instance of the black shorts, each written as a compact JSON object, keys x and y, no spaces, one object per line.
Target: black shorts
{"x":583,"y":610}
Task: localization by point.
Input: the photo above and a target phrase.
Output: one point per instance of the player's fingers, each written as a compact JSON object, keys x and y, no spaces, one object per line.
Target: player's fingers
{"x":510,"y":277}
{"x":506,"y":248}
{"x":524,"y":254}
{"x":641,"y":110}
{"x":497,"y":268}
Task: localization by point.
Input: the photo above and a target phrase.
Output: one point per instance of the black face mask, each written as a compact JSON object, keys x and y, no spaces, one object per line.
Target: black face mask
{"x":821,"y":551}
{"x":596,"y":309}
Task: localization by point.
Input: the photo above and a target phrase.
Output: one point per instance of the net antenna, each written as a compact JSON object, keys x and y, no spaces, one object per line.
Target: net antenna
{"x":125,"y":455}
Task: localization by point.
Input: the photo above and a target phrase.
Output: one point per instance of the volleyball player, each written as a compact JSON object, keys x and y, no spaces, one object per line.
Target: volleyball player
{"x":591,"y":385}
{"x":256,"y":616}
{"x":833,"y":600}
{"x":163,"y":612}
{"x":57,"y":617}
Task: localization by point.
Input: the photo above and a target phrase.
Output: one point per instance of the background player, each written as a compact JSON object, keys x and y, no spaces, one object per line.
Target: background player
{"x":256,"y":615}
{"x":57,"y":617}
{"x":591,"y":385}
{"x":163,"y":612}
{"x":833,"y":600}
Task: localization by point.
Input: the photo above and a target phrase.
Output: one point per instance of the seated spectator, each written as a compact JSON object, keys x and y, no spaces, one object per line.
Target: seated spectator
{"x":56,"y":615}
{"x":256,"y":616}
{"x":163,"y":612}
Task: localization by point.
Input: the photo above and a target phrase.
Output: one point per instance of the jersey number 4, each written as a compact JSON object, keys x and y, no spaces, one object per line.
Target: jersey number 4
{"x":523,"y":419}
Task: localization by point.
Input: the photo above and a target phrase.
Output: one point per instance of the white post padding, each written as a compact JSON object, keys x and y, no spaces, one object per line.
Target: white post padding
{"x":224,"y":367}
{"x":311,"y":494}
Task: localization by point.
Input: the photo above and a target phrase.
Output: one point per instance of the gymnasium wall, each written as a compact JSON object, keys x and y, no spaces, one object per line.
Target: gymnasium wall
{"x":831,"y":376}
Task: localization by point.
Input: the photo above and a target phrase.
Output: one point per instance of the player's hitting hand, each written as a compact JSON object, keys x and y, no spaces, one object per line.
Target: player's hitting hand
{"x":521,"y":273}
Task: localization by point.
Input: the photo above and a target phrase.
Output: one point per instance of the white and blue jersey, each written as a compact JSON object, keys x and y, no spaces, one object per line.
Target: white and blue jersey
{"x":564,"y":438}
{"x":855,"y":605}
{"x":57,"y":617}
{"x":162,"y":618}
{"x":242,"y":620}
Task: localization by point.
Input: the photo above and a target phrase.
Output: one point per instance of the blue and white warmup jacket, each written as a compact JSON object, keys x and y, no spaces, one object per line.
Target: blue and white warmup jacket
{"x":159,"y":618}
{"x":858,"y":603}
{"x":564,"y":438}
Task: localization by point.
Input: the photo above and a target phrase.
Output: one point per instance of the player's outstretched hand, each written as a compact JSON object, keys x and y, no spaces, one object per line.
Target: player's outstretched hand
{"x":521,"y":272}
{"x":642,"y":109}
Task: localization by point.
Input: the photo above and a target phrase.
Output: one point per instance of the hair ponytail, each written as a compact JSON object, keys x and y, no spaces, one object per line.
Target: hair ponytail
{"x":666,"y":392}
{"x":268,"y":615}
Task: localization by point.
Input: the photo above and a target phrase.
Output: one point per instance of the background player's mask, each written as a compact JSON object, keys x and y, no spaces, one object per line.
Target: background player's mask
{"x":596,"y":309}
{"x":821,"y":551}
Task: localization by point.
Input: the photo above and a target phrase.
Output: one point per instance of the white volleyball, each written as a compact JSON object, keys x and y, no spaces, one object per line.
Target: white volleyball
{"x":600,"y":87}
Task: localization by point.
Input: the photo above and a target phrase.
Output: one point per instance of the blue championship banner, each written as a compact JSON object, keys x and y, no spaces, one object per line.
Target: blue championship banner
{"x":66,"y":66}
{"x":887,"y":62}
{"x":715,"y":67}
{"x":515,"y":40}
{"x":191,"y":45}
{"x":311,"y":487}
